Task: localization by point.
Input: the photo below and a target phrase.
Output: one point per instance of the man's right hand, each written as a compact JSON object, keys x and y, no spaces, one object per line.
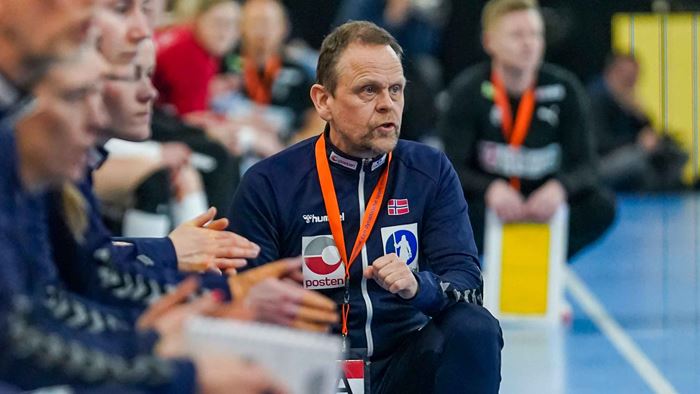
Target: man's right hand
{"x":507,"y":202}
{"x":283,"y":302}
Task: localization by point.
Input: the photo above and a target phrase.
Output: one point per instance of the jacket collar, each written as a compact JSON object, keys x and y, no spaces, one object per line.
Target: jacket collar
{"x":14,"y":102}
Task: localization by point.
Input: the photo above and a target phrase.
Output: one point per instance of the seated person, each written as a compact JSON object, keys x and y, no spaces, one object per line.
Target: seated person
{"x":188,"y":55}
{"x":136,"y":271}
{"x":153,"y":185}
{"x":51,"y":336}
{"x":632,"y":155}
{"x":188,"y":60}
{"x":517,"y":132}
{"x":276,"y":84}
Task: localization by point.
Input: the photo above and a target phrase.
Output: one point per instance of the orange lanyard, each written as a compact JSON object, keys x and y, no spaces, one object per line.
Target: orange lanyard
{"x":515,"y":136}
{"x":260,"y":87}
{"x":330,"y":200}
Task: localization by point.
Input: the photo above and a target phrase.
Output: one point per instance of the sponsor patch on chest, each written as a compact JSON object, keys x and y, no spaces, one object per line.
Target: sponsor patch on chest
{"x":323,"y":268}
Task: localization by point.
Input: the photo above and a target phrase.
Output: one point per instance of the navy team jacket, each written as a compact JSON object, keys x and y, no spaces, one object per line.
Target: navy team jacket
{"x":130,"y":273}
{"x":424,"y":220}
{"x":49,"y":336}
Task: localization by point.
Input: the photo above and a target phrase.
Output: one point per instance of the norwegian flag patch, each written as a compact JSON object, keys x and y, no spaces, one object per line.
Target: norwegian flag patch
{"x":398,"y":206}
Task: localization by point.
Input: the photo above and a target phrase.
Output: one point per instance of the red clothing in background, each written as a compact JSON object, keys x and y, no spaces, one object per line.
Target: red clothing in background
{"x":184,"y":70}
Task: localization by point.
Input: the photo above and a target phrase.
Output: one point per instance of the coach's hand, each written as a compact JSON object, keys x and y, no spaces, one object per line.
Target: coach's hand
{"x":393,"y":275}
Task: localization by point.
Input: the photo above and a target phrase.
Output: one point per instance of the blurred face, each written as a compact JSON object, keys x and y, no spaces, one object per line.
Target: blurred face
{"x":129,"y":96}
{"x":625,"y":73}
{"x":264,"y":27}
{"x":218,"y":28}
{"x":123,"y":25}
{"x":516,"y":40}
{"x":364,"y":112}
{"x":56,"y":138}
{"x":46,"y":30}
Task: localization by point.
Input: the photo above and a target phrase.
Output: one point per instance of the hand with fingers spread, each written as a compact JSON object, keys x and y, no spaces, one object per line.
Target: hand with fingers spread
{"x":202,"y":244}
{"x":286,"y":303}
{"x":168,"y":314}
{"x":393,"y":275}
{"x":283,"y":302}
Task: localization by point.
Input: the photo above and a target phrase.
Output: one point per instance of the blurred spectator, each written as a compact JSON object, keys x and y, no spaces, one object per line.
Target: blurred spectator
{"x":188,"y":55}
{"x":215,"y":143}
{"x":275,"y":86}
{"x":517,"y":132}
{"x":632,"y":155}
{"x":572,"y":28}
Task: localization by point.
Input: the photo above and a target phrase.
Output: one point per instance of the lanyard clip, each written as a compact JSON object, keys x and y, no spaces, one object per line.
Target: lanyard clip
{"x":346,"y":297}
{"x":344,"y":347}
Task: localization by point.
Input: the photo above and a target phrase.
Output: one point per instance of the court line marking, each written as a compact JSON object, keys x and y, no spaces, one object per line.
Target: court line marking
{"x":617,"y":336}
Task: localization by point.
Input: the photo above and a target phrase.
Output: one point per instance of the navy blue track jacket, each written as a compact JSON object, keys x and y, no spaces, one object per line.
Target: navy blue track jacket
{"x":424,"y":220}
{"x":130,"y":273}
{"x":50,"y":336}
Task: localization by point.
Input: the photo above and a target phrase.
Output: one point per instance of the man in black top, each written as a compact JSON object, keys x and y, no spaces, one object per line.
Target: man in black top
{"x":517,"y":132}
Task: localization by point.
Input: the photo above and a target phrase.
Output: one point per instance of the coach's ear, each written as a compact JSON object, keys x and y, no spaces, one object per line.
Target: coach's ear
{"x":322,"y":101}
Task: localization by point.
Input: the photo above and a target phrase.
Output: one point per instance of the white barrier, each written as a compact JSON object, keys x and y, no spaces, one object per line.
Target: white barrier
{"x":523,"y":278}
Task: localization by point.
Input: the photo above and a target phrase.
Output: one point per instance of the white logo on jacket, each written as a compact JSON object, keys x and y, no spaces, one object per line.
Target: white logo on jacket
{"x":310,"y":218}
{"x":402,"y":240}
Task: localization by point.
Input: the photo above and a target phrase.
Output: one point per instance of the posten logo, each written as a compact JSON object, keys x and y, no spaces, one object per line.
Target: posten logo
{"x":323,"y":267}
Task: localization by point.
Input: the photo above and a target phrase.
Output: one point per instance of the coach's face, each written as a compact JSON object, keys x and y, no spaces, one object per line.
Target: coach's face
{"x":365,"y":110}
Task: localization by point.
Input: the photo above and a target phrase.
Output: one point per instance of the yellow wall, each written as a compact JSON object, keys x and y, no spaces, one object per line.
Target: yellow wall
{"x":666,"y":46}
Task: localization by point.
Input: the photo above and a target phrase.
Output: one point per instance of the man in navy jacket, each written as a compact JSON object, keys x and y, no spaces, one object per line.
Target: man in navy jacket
{"x":381,"y":224}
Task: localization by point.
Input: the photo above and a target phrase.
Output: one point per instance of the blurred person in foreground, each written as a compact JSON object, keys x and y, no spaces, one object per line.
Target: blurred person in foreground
{"x":517,"y":131}
{"x":381,"y":224}
{"x":633,"y":156}
{"x":51,"y":336}
{"x":94,"y":264}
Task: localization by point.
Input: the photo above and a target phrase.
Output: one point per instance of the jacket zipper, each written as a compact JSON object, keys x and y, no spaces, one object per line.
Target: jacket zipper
{"x":365,"y":264}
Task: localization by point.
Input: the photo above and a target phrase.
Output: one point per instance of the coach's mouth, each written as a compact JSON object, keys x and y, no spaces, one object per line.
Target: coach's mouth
{"x":386,"y":128}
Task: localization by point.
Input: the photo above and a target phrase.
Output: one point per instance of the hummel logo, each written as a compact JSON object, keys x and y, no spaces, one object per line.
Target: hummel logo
{"x":320,"y":219}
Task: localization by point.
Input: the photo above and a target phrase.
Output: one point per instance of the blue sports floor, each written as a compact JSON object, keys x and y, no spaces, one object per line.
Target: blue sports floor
{"x":636,"y":310}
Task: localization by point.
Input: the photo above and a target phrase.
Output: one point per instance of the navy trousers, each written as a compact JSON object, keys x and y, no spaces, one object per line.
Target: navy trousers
{"x":457,"y":352}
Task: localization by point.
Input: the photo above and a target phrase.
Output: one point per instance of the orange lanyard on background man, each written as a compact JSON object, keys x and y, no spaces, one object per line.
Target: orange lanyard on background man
{"x":514,"y":135}
{"x":259,"y":87}
{"x":330,"y":200}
